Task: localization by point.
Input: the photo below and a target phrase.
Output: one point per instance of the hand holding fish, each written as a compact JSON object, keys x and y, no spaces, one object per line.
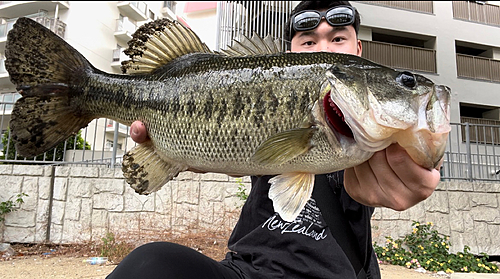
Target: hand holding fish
{"x":390,"y":178}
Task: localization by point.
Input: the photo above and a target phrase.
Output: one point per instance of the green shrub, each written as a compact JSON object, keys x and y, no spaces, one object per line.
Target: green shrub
{"x":242,"y":192}
{"x":113,"y":249}
{"x":11,"y":205}
{"x":425,"y":247}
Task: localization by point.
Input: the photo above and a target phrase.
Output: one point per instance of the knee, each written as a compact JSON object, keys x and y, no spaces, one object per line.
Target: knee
{"x":158,"y":251}
{"x":150,"y":260}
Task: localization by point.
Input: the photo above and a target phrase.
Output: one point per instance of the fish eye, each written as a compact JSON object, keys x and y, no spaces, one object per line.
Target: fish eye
{"x":407,"y":79}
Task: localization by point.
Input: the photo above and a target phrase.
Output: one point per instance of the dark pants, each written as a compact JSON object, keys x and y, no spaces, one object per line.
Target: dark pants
{"x":170,"y":260}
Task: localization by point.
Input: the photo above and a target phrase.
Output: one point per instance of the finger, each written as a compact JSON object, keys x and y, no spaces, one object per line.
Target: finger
{"x":419,"y":183}
{"x":361,"y":184}
{"x":138,"y":132}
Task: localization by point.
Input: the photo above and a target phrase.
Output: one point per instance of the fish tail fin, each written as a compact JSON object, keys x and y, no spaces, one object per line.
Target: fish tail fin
{"x":43,"y":67}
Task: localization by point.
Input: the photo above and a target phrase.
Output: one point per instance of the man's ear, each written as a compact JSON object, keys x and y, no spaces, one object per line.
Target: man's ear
{"x":359,"y":48}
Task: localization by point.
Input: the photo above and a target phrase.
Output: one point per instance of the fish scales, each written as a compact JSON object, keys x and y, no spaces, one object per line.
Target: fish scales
{"x":177,"y":116}
{"x":238,"y":112}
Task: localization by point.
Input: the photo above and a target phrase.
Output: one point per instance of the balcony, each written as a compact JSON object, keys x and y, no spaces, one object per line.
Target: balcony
{"x":122,"y":129}
{"x":401,"y":57}
{"x":479,"y":68}
{"x":124,"y":29}
{"x":7,"y":101}
{"x":168,"y":9}
{"x":135,"y":10}
{"x":118,"y":58}
{"x":476,"y":12}
{"x":415,"y":6}
{"x":55,"y":25}
{"x":4,"y":76}
{"x":14,"y":9}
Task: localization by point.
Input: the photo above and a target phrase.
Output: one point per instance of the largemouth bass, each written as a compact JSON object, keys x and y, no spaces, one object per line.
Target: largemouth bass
{"x":287,"y":114}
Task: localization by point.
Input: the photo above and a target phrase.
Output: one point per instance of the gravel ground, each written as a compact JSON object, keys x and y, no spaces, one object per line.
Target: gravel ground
{"x":67,"y":261}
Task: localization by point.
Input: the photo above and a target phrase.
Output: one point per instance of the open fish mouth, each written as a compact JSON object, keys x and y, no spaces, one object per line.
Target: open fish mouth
{"x":420,"y":124}
{"x":336,"y":119}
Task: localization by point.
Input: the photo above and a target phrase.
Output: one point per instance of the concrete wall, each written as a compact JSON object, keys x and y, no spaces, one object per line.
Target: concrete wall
{"x":87,"y":202}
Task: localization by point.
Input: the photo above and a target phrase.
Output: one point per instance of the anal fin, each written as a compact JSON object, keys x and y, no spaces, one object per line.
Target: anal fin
{"x":146,"y":171}
{"x":290,"y":193}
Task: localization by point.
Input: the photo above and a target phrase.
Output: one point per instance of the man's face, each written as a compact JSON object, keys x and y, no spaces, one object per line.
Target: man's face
{"x":327,"y":38}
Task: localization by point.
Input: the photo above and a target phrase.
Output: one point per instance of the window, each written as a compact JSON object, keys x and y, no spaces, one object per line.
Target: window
{"x":109,"y":145}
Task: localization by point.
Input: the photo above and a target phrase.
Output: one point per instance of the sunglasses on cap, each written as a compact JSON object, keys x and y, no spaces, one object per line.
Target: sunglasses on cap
{"x":336,"y":16}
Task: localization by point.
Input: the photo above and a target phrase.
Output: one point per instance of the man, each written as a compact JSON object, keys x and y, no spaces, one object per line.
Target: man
{"x":331,"y":238}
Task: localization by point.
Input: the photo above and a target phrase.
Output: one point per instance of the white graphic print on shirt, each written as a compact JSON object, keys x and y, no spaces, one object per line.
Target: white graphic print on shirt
{"x":308,"y":223}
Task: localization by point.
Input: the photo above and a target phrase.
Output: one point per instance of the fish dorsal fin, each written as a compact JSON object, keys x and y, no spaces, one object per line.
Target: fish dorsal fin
{"x":158,"y":42}
{"x":254,"y":46}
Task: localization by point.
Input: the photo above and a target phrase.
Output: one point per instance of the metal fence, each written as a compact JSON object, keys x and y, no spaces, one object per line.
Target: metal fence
{"x":472,"y":152}
{"x":106,"y":141}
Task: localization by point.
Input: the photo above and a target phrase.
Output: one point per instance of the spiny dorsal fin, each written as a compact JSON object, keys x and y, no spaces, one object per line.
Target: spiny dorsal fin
{"x":157,"y":43}
{"x":254,"y":46}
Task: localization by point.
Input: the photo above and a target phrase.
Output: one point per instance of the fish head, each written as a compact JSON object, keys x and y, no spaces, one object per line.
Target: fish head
{"x":382,"y":106}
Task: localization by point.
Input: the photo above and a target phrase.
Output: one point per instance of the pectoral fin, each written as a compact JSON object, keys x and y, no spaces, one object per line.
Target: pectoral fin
{"x":146,"y":171}
{"x":284,"y":146}
{"x":290,"y":193}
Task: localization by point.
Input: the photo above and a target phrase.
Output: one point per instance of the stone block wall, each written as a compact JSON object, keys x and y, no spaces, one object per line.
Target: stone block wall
{"x":467,"y":212}
{"x":78,"y":204}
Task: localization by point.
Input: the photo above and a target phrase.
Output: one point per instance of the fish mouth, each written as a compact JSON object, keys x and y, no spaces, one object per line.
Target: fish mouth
{"x":335,"y":117}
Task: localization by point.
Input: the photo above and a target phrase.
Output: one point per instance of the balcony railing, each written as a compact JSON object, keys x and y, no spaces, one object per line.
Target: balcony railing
{"x":5,"y":28}
{"x":476,"y":12}
{"x":417,"y":6}
{"x":481,"y":130}
{"x":2,"y":66}
{"x":476,"y":67}
{"x":119,"y":55}
{"x":401,"y":57}
{"x":54,"y":24}
{"x":137,"y":10}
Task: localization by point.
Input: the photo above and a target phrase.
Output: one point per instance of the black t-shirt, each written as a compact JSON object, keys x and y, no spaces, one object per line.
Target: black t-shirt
{"x":265,"y":246}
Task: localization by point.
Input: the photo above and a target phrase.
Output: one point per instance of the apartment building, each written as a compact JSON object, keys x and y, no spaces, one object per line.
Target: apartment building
{"x":100,"y":31}
{"x":456,"y":43}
